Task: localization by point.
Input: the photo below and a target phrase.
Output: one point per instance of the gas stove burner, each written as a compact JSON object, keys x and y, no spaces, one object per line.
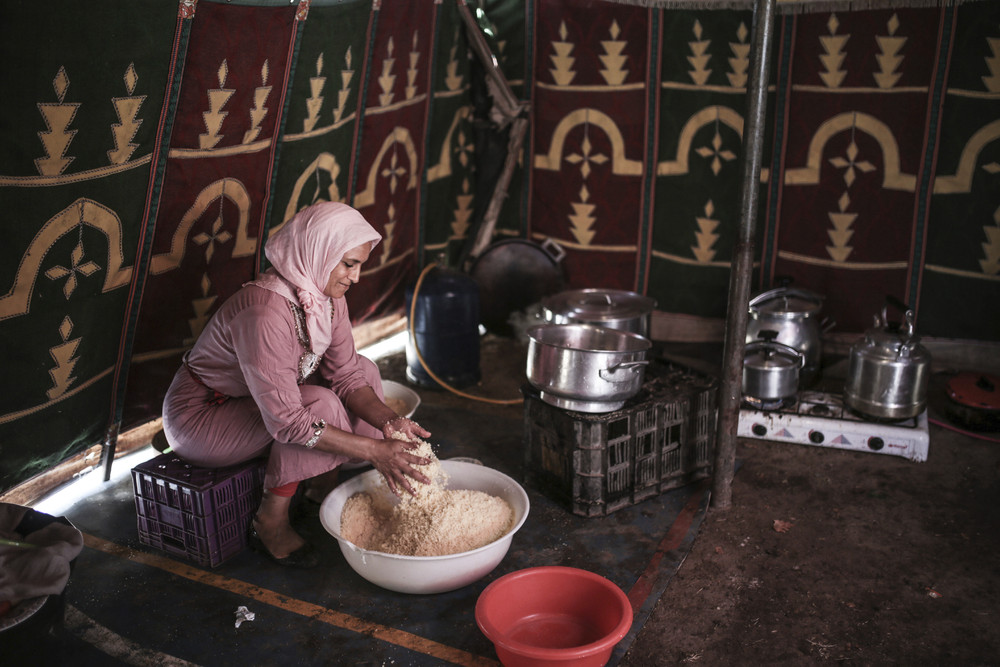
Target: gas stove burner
{"x":822,"y":419}
{"x":755,"y":403}
{"x":820,"y":410}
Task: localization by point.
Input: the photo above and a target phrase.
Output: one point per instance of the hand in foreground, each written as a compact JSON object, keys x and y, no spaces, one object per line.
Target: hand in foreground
{"x":411,"y":429}
{"x":395,"y":463}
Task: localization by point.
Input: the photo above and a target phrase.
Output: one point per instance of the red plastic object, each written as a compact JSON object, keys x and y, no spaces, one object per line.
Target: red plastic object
{"x":553,"y":616}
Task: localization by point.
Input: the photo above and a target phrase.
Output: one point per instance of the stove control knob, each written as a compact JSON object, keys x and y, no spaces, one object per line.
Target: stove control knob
{"x":876,"y":443}
{"x":816,"y":437}
{"x":759,"y":430}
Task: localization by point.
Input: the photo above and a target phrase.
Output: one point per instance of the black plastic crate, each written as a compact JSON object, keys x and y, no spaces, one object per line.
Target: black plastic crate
{"x":201,"y":514}
{"x":661,"y":439}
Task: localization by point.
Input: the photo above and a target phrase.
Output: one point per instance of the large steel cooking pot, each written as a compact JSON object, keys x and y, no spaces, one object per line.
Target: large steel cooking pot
{"x":794,"y":314}
{"x":888,"y":370}
{"x":586,"y":368}
{"x":771,"y":370}
{"x":609,"y":308}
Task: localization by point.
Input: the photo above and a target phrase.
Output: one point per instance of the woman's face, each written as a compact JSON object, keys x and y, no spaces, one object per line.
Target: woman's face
{"x":347,"y":272}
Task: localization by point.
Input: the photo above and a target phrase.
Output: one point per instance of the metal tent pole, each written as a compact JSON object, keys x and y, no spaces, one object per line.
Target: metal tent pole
{"x":742,"y":268}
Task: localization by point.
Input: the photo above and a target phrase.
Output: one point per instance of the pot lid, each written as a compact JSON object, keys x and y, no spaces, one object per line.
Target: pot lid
{"x":975,"y":390}
{"x":595,"y":305}
{"x":786,"y":302}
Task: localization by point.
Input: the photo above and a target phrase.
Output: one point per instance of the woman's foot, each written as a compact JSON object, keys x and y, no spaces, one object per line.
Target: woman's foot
{"x":279,"y":539}
{"x":303,"y":557}
{"x":273,"y":535}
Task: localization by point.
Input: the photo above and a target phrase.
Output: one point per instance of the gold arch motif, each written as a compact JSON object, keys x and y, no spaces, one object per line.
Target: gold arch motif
{"x":707,"y":116}
{"x":82,"y":211}
{"x":324,"y":162}
{"x":401,"y":135}
{"x":893,"y":178}
{"x":243,"y":246}
{"x":620,"y":164}
{"x":961,"y":180}
{"x":443,"y":166}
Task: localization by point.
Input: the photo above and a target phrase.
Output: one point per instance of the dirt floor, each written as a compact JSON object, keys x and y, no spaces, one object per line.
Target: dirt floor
{"x":842,"y":557}
{"x":834,"y":556}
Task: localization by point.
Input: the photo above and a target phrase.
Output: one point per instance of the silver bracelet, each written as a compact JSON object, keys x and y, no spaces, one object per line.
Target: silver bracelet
{"x":318,"y":427}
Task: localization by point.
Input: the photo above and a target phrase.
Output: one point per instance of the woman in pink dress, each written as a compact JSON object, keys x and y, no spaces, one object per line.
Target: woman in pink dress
{"x":276,"y":372}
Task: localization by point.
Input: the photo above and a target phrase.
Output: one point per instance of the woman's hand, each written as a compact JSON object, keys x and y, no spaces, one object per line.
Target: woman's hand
{"x":395,"y":463}
{"x":406,"y":426}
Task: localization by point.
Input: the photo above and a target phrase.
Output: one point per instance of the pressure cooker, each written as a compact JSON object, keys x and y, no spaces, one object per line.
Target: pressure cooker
{"x":771,"y":370}
{"x":794,"y":314}
{"x":889,"y":369}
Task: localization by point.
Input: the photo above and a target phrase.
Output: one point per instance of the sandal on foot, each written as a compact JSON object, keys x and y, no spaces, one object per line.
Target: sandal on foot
{"x":304,"y":557}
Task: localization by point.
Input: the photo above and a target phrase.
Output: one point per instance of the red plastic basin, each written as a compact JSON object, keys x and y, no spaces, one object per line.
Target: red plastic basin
{"x":553,"y":616}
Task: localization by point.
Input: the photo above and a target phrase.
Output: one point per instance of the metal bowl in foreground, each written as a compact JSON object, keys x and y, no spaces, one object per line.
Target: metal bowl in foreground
{"x":427,"y":574}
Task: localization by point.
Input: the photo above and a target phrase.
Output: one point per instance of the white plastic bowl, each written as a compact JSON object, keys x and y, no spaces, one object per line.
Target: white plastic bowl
{"x":402,"y":392}
{"x":428,"y":574}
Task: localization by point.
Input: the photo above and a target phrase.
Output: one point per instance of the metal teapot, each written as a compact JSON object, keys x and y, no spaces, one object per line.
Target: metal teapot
{"x":888,"y":369}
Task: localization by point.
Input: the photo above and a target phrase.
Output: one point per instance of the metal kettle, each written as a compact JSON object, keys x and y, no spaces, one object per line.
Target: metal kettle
{"x":888,"y":369}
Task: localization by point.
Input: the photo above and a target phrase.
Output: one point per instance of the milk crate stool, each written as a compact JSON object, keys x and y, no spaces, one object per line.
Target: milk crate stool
{"x":200,"y":514}
{"x":599,"y":463}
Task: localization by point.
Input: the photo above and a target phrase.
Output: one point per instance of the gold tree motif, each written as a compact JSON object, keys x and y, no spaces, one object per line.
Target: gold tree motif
{"x":65,"y":357}
{"x":614,"y":71}
{"x":699,"y":60}
{"x":58,"y":137}
{"x":217,"y":99}
{"x":562,"y":70}
{"x":889,"y":59}
{"x":127,"y":108}
{"x":258,"y":112}
{"x":833,"y":45}
{"x":740,"y":62}
{"x":706,"y":235}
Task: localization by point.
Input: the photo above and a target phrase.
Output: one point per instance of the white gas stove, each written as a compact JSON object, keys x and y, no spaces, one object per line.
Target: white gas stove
{"x":821,"y":419}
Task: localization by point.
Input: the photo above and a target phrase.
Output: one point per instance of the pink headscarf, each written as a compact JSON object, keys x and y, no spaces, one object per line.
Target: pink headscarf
{"x":304,"y":252}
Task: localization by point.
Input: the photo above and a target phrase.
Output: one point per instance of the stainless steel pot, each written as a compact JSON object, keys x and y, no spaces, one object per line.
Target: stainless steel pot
{"x":888,"y":370}
{"x":794,"y":314}
{"x":771,"y":370}
{"x":610,"y":308}
{"x":586,"y":368}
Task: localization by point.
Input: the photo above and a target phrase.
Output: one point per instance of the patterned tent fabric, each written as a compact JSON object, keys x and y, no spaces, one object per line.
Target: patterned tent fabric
{"x":139,"y":186}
